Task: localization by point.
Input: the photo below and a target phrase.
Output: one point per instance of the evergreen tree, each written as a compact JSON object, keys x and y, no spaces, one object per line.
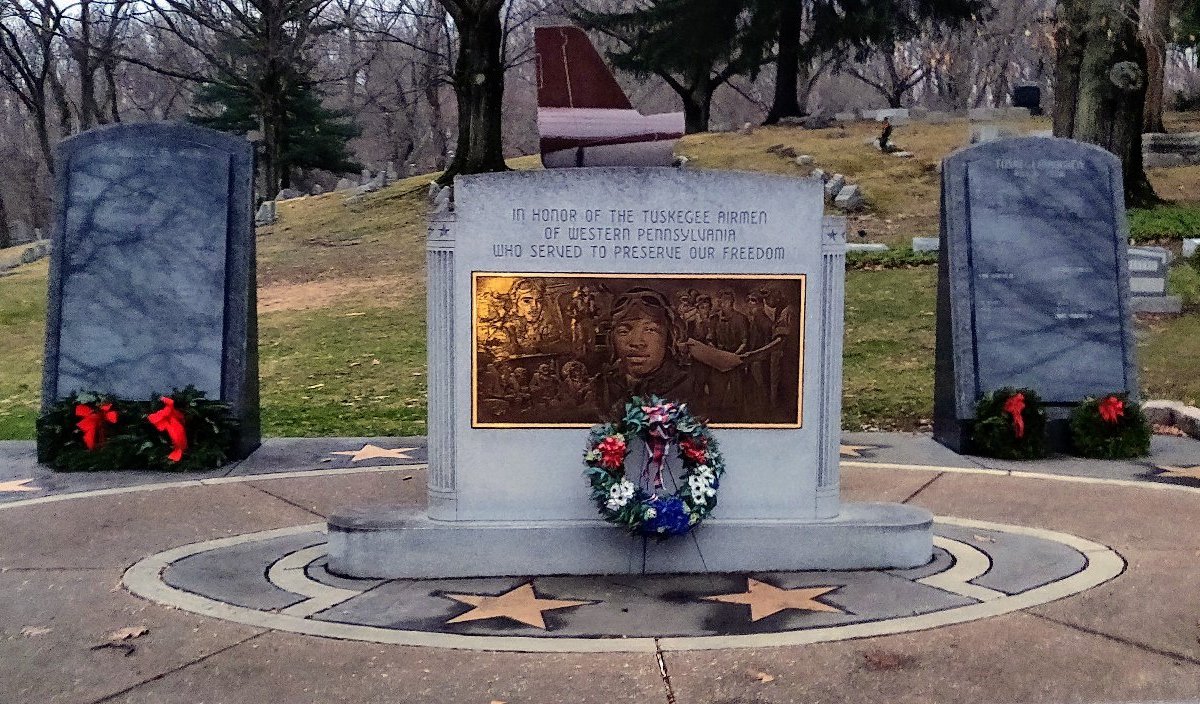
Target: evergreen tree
{"x":311,"y":136}
{"x":693,"y":45}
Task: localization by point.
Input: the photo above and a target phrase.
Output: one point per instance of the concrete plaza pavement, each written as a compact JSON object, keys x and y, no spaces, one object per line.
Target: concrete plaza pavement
{"x":66,"y":541}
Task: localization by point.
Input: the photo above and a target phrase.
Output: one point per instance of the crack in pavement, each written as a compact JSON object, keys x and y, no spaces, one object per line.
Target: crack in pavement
{"x":287,"y":501}
{"x":923,"y":487}
{"x":1118,"y":639}
{"x":180,"y":668}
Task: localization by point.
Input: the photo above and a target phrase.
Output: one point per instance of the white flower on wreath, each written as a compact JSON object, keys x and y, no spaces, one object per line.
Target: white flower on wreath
{"x":619,"y":494}
{"x":650,"y":513}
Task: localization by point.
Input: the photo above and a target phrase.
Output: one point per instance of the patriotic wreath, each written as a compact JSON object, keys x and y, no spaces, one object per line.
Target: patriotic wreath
{"x":661,"y":425}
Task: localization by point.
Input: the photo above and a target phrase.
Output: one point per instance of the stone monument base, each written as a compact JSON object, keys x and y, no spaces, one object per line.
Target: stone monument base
{"x":392,"y":543}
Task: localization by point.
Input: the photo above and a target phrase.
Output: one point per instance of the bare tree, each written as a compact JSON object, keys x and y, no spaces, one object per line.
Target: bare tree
{"x":259,"y":47}
{"x":29,"y":54}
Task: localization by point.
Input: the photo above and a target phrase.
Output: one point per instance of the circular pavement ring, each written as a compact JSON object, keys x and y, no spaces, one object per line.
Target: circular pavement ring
{"x":146,"y":579}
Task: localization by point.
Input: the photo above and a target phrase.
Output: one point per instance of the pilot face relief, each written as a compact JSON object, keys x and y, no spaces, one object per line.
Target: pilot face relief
{"x":640,"y":342}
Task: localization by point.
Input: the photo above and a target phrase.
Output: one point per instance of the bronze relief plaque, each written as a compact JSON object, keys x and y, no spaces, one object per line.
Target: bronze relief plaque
{"x":567,"y":350}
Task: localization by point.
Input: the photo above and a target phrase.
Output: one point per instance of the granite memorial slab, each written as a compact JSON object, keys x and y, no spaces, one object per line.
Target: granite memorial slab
{"x":152,"y":268}
{"x":1033,"y":290}
{"x":556,"y":295}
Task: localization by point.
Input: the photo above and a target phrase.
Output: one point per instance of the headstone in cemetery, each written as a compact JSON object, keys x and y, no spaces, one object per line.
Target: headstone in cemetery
{"x":266,"y":214}
{"x":556,"y":295}
{"x":834,"y":186}
{"x":926,"y":244}
{"x":1190,"y":245}
{"x":990,"y":133}
{"x":1148,"y":281}
{"x":152,"y":268}
{"x":849,"y":198}
{"x":1171,"y":149}
{"x":1033,"y":281}
{"x":983,"y":114}
{"x":1028,"y":96}
{"x":867,"y":247}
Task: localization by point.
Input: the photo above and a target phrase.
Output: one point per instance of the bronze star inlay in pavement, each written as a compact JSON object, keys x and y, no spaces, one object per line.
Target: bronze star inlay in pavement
{"x":854,"y":450}
{"x":520,"y":604}
{"x":370,"y":452}
{"x":765,"y":599}
{"x":17,"y":485}
{"x":1192,"y":472}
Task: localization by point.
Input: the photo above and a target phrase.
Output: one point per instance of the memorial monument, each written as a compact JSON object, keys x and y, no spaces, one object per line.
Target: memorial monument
{"x":152,"y":271}
{"x":1033,"y":281}
{"x":556,"y":295}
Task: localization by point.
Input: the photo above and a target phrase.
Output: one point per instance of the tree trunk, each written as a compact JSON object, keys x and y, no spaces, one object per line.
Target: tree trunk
{"x":1155,"y":29}
{"x":5,"y":233}
{"x":87,"y":71}
{"x":1101,"y":85}
{"x":696,"y":108}
{"x":787,"y":64}
{"x":479,"y":86}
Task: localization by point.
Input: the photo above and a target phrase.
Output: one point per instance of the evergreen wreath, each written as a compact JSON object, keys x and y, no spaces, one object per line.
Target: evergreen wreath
{"x":88,"y":432}
{"x":661,"y":425}
{"x":1110,"y":427}
{"x":1010,"y":424}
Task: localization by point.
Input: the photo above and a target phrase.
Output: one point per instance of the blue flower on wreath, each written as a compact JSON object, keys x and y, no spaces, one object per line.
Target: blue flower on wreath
{"x":670,"y":517}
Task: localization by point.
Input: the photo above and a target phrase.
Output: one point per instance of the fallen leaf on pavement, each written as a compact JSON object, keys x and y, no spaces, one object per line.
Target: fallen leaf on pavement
{"x":30,"y":631}
{"x":762,"y":676}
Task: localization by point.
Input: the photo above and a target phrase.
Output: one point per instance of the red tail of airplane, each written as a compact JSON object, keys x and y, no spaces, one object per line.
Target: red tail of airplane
{"x":584,"y":117}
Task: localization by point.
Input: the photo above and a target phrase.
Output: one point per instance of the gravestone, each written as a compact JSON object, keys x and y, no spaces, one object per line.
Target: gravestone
{"x":1190,"y":245}
{"x":1033,"y":281}
{"x":531,"y":277}
{"x":926,"y":244}
{"x":152,"y":268}
{"x":1028,"y":96}
{"x":1148,"y":281}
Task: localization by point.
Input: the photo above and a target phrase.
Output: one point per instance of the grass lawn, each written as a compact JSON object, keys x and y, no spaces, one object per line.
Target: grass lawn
{"x":342,"y":296}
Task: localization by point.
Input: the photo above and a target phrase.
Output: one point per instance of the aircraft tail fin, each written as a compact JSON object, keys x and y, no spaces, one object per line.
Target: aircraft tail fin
{"x":571,"y":73}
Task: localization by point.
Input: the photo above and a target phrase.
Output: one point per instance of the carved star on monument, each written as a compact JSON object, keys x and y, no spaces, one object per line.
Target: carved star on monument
{"x":520,"y":604}
{"x":854,"y":450}
{"x":16,"y":485}
{"x":1192,"y":472}
{"x":370,"y":452}
{"x":765,"y":599}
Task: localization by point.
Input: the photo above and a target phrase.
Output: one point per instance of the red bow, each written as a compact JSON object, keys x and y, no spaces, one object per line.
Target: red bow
{"x":170,"y":420}
{"x":93,"y":422}
{"x":694,"y":450}
{"x":1111,"y":409}
{"x":1015,"y":406}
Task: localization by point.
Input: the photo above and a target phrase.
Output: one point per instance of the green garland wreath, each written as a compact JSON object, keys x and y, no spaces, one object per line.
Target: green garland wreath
{"x":1110,"y":427}
{"x":660,"y":425}
{"x":125,"y":436}
{"x":1010,"y":424}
